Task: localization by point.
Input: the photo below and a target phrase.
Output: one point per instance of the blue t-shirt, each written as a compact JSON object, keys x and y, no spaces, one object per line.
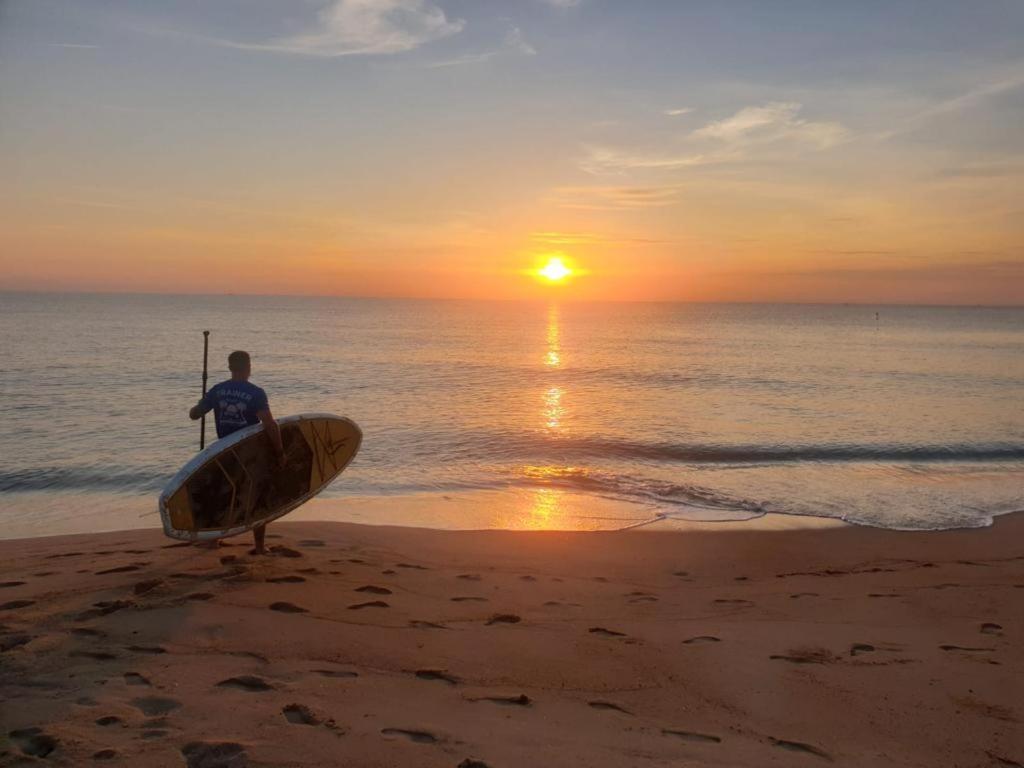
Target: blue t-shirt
{"x":234,"y":405}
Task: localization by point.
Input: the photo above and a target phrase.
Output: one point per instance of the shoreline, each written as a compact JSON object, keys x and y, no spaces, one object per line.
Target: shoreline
{"x":382,"y":645}
{"x":27,"y":514}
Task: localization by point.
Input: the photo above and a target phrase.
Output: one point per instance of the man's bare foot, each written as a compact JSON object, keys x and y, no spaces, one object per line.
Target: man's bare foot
{"x":258,"y":551}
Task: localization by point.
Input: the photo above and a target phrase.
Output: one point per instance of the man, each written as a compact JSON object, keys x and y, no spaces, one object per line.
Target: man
{"x":237,"y":403}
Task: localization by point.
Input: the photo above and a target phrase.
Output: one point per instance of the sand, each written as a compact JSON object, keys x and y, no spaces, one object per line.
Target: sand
{"x":381,"y":646}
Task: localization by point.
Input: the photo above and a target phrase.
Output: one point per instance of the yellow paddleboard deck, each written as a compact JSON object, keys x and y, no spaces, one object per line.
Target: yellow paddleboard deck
{"x":235,"y":484}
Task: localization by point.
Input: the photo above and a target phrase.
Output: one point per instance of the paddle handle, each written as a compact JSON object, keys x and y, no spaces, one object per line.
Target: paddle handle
{"x":202,"y":422}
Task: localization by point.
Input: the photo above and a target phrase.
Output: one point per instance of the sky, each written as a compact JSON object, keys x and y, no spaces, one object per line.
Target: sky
{"x":765,"y":150}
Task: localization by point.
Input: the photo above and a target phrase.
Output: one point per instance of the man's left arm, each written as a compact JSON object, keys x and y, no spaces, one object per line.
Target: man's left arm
{"x":200,"y":409}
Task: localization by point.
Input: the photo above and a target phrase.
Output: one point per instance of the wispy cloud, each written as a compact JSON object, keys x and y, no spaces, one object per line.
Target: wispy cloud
{"x":775,"y":121}
{"x":678,"y":111}
{"x":722,"y":141}
{"x":604,"y":198}
{"x":602,"y":159}
{"x":513,"y":44}
{"x":364,"y":27}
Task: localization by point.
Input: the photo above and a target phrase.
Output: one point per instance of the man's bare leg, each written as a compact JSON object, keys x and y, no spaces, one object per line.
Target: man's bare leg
{"x":258,"y":534}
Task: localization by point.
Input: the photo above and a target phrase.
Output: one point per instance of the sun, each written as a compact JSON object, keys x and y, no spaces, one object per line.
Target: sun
{"x":554,"y":270}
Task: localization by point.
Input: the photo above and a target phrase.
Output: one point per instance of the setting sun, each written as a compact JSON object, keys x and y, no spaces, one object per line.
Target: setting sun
{"x":555,"y":270}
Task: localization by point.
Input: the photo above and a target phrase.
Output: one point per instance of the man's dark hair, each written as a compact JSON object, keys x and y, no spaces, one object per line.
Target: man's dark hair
{"x":238,"y":361}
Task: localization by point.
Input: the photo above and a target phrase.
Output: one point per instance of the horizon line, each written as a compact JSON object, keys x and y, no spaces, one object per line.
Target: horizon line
{"x":752,"y":302}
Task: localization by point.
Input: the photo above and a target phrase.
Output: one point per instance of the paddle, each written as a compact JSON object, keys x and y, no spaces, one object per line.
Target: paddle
{"x":202,"y":422}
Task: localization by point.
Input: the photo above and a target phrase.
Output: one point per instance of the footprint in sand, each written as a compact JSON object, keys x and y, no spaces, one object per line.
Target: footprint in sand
{"x":153,"y":706}
{"x":471,"y":763}
{"x":300,"y":714}
{"x":420,"y":737}
{"x":199,"y":596}
{"x":607,"y":706}
{"x":286,"y":579}
{"x":804,"y":594}
{"x":312,"y":543}
{"x":463,"y":576}
{"x":4,"y":584}
{"x":806,"y":656}
{"x":799,"y":746}
{"x":249,"y":683}
{"x":370,"y":604}
{"x":988,"y":628}
{"x":605,"y":632}
{"x":310,"y":571}
{"x":964,"y":648}
{"x":697,"y":738}
{"x":284,"y":607}
{"x":734,"y":601}
{"x":154,"y":649}
{"x":33,"y":742}
{"x":205,"y":754}
{"x":388,"y":572}
{"x":418,"y":624}
{"x":522,"y":700}
{"x":503,"y":618}
{"x":469,"y":599}
{"x":858,"y":648}
{"x":94,"y":655}
{"x":108,"y":720}
{"x":701,"y":639}
{"x":281,"y":551}
{"x":437,"y":674}
{"x":413,"y":566}
{"x":104,"y":754}
{"x":120,"y":569}
{"x":134,"y":678}
{"x":10,"y":642}
{"x":335,"y":673}
{"x":103,"y":608}
{"x":15,"y":604}
{"x":374,"y":590}
{"x":146,"y":586}
{"x":87,"y":632}
{"x":528,"y":577}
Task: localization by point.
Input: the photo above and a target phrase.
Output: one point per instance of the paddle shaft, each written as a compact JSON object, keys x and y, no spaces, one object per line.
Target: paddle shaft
{"x":202,"y":423}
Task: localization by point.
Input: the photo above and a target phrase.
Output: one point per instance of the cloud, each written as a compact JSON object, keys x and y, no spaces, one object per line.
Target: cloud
{"x":613,"y":198}
{"x":602,"y":159}
{"x":775,"y":121}
{"x":678,"y":111}
{"x":723,"y":141}
{"x":365,"y":27}
{"x":514,"y":43}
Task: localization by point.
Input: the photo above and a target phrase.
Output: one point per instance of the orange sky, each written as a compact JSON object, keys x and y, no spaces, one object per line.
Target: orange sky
{"x":442,"y":152}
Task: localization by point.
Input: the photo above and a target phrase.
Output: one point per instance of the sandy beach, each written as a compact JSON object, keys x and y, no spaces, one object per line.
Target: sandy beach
{"x":385,"y":646}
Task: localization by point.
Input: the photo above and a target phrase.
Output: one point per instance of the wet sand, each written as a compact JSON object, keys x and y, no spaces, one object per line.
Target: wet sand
{"x":381,"y":646}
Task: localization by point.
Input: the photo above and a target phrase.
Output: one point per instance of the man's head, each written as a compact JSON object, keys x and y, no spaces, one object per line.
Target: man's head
{"x":239,"y":364}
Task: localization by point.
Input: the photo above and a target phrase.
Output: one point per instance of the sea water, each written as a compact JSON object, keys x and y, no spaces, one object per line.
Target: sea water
{"x":891,"y":416}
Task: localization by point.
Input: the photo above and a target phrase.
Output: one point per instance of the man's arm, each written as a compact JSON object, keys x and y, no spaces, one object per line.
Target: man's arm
{"x":273,"y":434}
{"x":199,"y":410}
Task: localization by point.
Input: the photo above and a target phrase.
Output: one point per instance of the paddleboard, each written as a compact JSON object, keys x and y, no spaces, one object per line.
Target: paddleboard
{"x":235,"y":484}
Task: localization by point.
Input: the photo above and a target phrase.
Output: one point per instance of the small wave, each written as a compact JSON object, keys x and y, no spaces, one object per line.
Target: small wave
{"x":562,"y":448}
{"x":78,"y":478}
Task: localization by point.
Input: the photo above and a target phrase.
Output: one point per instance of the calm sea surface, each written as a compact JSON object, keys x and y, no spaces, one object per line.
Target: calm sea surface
{"x":913,"y":419}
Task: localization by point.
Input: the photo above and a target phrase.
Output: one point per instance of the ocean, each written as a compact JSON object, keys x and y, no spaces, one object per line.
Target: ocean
{"x":891,"y":416}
